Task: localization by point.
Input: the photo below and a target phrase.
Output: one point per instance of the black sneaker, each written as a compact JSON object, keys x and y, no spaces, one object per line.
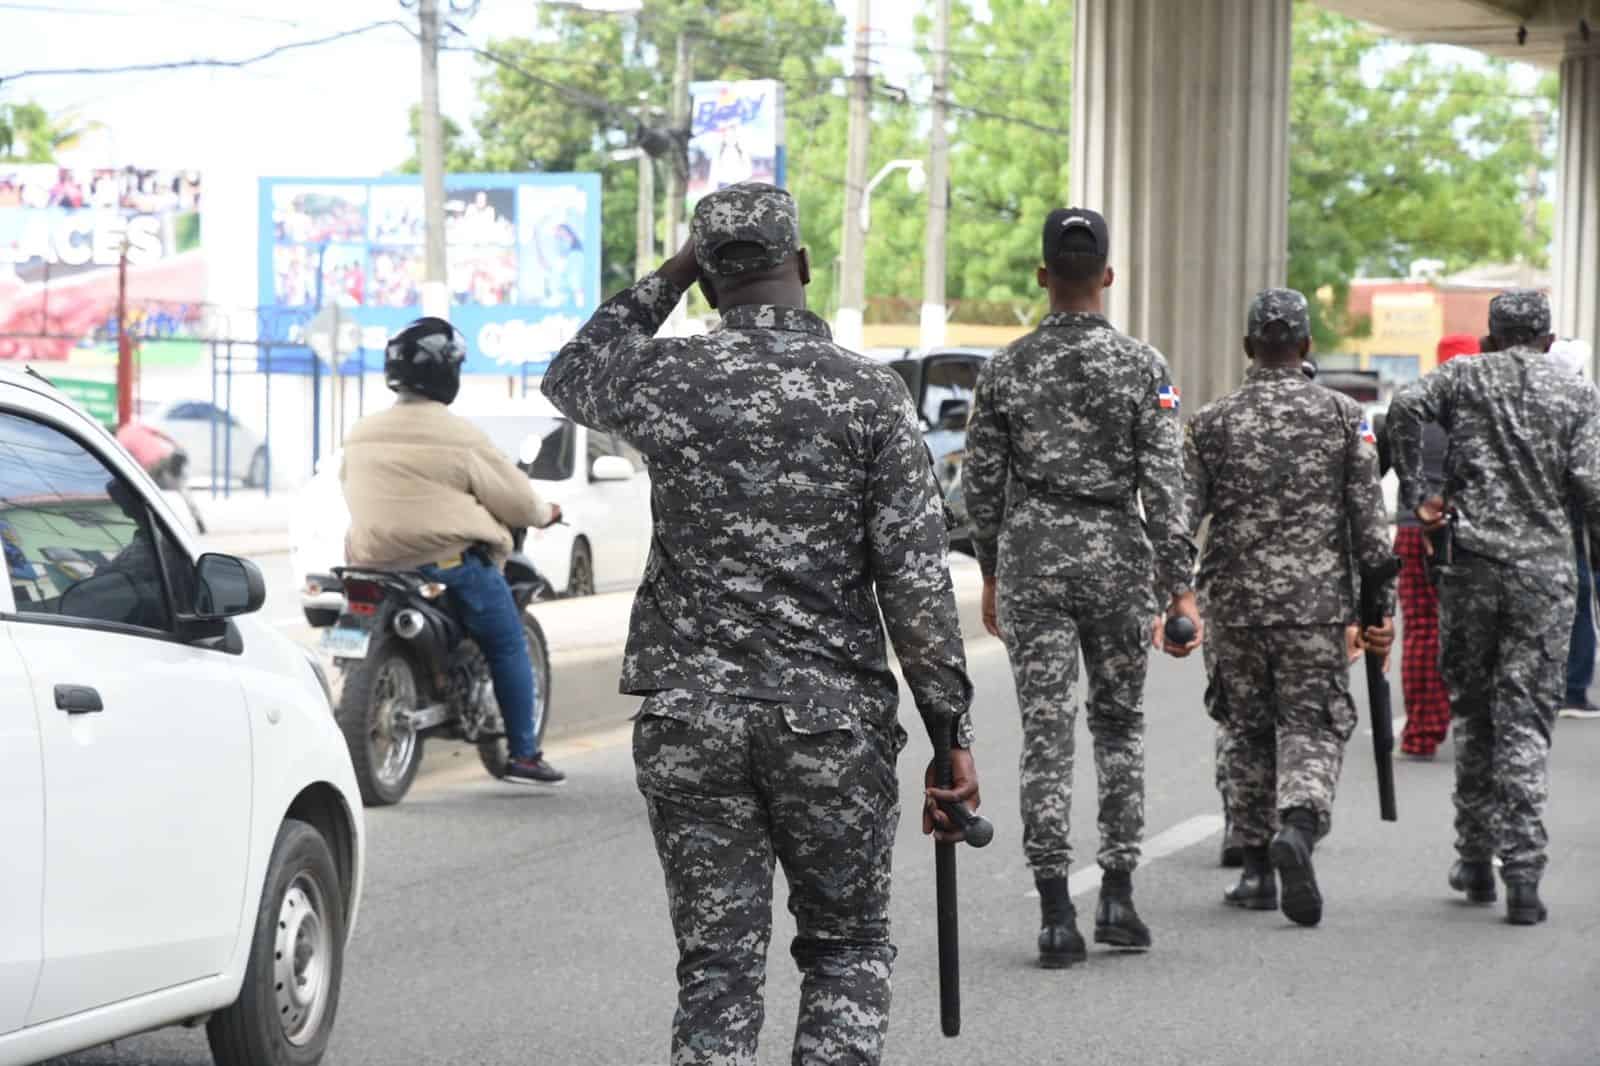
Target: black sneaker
{"x":532,"y":771}
{"x":1579,"y":708}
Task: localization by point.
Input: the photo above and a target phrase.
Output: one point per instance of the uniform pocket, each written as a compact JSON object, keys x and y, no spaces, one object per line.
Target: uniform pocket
{"x":1216,"y":701}
{"x":811,"y":719}
{"x":1341,"y":710}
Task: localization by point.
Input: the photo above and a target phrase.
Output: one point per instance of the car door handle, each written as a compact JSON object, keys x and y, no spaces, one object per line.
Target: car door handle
{"x":78,"y":699}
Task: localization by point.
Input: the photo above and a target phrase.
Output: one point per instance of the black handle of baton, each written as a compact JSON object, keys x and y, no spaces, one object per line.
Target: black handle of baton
{"x":944,"y":869}
{"x":1372,"y":582}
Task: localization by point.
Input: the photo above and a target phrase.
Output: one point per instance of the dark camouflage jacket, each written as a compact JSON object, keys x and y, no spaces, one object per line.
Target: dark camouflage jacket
{"x":1072,"y":427}
{"x":792,"y":500}
{"x":1524,"y":441}
{"x":1288,"y":472}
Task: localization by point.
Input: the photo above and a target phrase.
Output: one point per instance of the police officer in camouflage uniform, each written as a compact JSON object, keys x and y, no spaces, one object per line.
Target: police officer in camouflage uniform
{"x":792,"y":501}
{"x":1524,"y":441}
{"x":1072,"y":426}
{"x":1287,"y":471}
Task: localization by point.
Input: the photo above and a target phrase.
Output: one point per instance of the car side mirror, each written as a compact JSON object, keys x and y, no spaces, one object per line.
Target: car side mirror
{"x":611,"y":468}
{"x":227,"y":586}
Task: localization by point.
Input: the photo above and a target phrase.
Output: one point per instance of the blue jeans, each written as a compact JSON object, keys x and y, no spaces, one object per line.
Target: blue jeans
{"x":1580,"y":659}
{"x":483,"y":602}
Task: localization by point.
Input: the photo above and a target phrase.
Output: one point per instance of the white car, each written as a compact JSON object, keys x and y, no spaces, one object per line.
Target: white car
{"x":216,"y":442}
{"x":182,"y":829}
{"x":599,"y":482}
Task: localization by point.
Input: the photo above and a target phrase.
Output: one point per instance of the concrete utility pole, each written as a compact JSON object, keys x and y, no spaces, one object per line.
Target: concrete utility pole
{"x":677,"y":177}
{"x":645,"y":235}
{"x":435,"y":292}
{"x":932,"y":333}
{"x":849,"y":329}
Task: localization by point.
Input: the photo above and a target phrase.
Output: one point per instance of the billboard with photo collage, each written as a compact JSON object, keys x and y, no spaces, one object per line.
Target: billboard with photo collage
{"x":523,"y":259}
{"x":735,"y":135}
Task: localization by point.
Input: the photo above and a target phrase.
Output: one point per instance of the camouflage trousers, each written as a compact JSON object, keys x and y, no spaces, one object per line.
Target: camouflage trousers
{"x":1282,"y":697}
{"x":1046,"y":621}
{"x":1503,"y":636}
{"x":731,"y":786}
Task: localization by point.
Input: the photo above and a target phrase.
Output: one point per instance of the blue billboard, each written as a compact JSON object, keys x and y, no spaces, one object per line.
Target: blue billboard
{"x":523,"y":262}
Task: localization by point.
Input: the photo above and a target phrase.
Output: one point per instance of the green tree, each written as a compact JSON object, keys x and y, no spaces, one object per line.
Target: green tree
{"x":30,"y":134}
{"x":1427,"y":157}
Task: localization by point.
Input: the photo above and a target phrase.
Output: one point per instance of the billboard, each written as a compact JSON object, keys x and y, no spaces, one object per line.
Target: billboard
{"x":62,"y":236}
{"x":735,"y":134}
{"x":522,"y":260}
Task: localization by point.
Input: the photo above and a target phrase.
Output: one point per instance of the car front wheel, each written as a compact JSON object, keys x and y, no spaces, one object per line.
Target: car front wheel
{"x":286,"y":1007}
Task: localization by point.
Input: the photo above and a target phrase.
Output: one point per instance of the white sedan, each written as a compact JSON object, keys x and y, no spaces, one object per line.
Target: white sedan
{"x":599,"y":482}
{"x":182,"y":829}
{"x":215,"y":441}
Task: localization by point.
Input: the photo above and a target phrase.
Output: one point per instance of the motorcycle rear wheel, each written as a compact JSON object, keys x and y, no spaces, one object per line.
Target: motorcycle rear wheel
{"x":385,"y":755}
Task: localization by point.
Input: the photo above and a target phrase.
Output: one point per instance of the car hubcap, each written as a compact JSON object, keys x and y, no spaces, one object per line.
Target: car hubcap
{"x":394,"y":697}
{"x":301,"y":964}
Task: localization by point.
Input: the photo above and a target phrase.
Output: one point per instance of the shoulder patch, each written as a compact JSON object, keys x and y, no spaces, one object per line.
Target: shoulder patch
{"x":1168,"y":398}
{"x":1367,"y":435}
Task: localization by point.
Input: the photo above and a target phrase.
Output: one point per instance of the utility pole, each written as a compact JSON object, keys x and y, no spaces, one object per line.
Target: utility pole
{"x":853,"y":268}
{"x":677,"y":177}
{"x":645,"y":236}
{"x":932,"y":332}
{"x":124,"y":343}
{"x":435,"y":292}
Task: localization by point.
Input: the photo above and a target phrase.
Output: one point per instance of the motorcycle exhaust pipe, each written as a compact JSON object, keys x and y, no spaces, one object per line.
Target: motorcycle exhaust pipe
{"x":409,"y":624}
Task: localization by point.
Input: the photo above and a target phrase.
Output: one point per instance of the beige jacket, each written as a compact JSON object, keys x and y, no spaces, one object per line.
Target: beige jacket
{"x":424,"y":485}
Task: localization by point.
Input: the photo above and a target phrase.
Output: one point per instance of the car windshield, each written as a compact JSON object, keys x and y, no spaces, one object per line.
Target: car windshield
{"x":555,"y":434}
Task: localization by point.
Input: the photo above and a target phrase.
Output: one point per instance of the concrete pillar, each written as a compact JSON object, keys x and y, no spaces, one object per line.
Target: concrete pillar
{"x":1577,"y":260}
{"x":1180,"y":137}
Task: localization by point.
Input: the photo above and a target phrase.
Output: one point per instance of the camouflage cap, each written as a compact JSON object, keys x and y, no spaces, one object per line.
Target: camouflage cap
{"x":1519,"y":312}
{"x":1279,"y":316}
{"x":747,"y":213}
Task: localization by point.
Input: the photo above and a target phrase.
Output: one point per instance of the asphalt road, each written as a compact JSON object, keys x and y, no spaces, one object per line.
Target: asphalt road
{"x":501,"y":925}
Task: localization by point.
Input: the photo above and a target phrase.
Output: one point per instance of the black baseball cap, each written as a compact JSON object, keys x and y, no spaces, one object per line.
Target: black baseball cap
{"x":1066,"y":221}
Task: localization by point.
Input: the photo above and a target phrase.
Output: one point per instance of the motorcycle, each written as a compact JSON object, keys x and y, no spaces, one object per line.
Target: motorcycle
{"x":410,"y":671}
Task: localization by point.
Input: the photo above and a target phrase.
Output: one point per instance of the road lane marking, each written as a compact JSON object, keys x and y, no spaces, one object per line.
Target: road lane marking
{"x":1185,"y":834}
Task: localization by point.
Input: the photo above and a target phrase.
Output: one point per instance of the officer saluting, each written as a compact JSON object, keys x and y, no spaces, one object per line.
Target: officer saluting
{"x":1524,"y":440}
{"x":792,"y":499}
{"x":1072,"y":427}
{"x":1288,"y":472}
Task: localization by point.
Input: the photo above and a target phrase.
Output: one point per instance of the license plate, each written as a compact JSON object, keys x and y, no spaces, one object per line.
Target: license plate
{"x":346,"y":642}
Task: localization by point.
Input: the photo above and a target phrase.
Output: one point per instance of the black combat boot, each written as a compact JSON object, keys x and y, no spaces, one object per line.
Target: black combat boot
{"x":1474,"y":878}
{"x":1232,"y":850}
{"x":1060,"y":943}
{"x":1257,"y":889}
{"x":1523,"y":906}
{"x":1115,"y":921}
{"x":1291,"y":854}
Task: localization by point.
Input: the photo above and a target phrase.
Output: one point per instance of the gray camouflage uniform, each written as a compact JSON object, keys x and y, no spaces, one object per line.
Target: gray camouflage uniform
{"x":1524,"y":440}
{"x":1288,"y":472}
{"x":1071,"y":427}
{"x":792,"y":500}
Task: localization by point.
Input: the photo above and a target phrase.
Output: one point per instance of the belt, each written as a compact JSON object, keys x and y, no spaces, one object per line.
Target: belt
{"x":450,"y":563}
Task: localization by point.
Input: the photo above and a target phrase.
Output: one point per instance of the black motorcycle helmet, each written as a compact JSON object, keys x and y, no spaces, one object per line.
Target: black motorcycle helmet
{"x":425,"y":358}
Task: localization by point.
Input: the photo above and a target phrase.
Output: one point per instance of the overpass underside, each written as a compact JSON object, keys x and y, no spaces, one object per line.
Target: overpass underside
{"x":1180,"y":136}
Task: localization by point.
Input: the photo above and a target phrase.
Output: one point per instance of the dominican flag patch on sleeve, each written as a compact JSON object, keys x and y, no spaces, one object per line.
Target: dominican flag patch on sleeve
{"x":1366,"y":432}
{"x":1167,"y":398}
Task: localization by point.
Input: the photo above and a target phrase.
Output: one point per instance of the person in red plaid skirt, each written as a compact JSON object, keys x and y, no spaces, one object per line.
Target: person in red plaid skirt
{"x":1426,"y":698}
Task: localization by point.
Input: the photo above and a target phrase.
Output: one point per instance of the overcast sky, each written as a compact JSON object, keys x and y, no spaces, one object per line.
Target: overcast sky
{"x":336,"y":109}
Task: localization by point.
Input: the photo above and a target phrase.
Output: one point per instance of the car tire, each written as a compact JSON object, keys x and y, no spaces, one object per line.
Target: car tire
{"x":290,"y":996}
{"x":386,"y":666}
{"x":494,"y":753}
{"x":256,"y":476}
{"x":580,"y":576}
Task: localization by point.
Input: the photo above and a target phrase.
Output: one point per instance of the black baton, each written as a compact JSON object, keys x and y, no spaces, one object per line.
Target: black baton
{"x":978,"y":832}
{"x":1372,"y":582}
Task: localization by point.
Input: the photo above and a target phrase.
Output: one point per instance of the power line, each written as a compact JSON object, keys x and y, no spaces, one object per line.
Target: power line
{"x":182,"y":64}
{"x":59,"y":9}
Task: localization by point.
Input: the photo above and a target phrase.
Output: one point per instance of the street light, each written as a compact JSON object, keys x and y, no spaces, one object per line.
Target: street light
{"x":916,"y":181}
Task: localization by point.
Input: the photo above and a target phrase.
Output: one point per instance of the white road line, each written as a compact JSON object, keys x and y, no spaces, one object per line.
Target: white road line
{"x":1185,"y":834}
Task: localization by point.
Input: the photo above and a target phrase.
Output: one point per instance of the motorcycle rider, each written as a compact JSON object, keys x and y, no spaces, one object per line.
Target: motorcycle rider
{"x":428,"y":491}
